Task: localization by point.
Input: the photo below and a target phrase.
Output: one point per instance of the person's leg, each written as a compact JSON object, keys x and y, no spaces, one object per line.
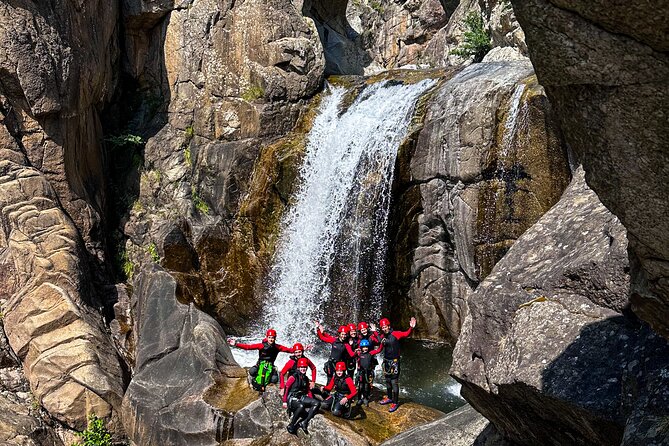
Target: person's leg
{"x":314,"y":406}
{"x":298,"y":413}
{"x":274,"y":378}
{"x":253,"y":373}
{"x":396,"y":388}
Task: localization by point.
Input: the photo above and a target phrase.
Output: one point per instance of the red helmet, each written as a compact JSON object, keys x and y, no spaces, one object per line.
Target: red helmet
{"x":352,"y":327}
{"x":298,"y":346}
{"x":271,"y":332}
{"x":340,"y":366}
{"x":302,"y":362}
{"x":343,"y":329}
{"x":362,"y":325}
{"x":384,"y":322}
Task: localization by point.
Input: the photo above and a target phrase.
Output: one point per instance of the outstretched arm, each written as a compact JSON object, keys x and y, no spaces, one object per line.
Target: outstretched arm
{"x":257,"y":346}
{"x":404,"y":334}
{"x":377,"y":351}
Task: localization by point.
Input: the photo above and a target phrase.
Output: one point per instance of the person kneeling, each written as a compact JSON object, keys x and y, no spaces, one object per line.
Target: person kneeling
{"x":343,"y":388}
{"x":297,"y":398}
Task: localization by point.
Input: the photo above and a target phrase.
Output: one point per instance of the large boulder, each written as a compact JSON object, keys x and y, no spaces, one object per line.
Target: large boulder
{"x":186,"y":384}
{"x":605,"y":69}
{"x":66,"y":353}
{"x":488,"y":162}
{"x":549,"y":353}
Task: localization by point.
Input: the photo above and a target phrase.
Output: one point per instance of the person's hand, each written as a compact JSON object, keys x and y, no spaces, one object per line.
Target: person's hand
{"x":312,"y":385}
{"x":412,"y":322}
{"x":343,"y":401}
{"x":372,"y":326}
{"x":281,"y":386}
{"x":232,"y":341}
{"x":383,"y":341}
{"x":358,"y":350}
{"x":285,"y":405}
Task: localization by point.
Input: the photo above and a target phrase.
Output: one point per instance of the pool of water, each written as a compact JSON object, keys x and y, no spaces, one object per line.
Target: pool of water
{"x":424,"y":377}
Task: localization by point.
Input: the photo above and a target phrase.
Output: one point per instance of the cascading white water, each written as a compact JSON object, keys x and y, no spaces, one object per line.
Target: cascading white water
{"x":511,"y":120}
{"x":345,"y":155}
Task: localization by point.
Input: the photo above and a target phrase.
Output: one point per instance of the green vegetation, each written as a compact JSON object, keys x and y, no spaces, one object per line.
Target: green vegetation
{"x":95,"y":434}
{"x":126,"y":265}
{"x":137,"y":206}
{"x":198,"y":202}
{"x":376,"y":6}
{"x":252,"y":93}
{"x":187,"y":157}
{"x":189,"y":132}
{"x":477,"y":39}
{"x":125,"y":140}
{"x":153,"y":252}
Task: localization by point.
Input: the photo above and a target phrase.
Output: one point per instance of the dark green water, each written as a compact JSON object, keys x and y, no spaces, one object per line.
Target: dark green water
{"x":424,"y":377}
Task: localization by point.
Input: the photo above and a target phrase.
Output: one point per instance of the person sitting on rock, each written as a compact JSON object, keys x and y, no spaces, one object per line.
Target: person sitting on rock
{"x":264,"y":372}
{"x":366,"y":364}
{"x":298,"y":399}
{"x":341,"y":349}
{"x":342,"y":391}
{"x":391,"y":360}
{"x":291,"y":366}
{"x":372,"y":335}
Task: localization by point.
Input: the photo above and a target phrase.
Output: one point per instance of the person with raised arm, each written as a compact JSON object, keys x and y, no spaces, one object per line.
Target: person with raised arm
{"x":342,"y":393}
{"x":298,"y":399}
{"x":368,"y":331}
{"x":391,"y":360}
{"x":291,"y":366}
{"x":341,"y":349}
{"x":264,"y":372}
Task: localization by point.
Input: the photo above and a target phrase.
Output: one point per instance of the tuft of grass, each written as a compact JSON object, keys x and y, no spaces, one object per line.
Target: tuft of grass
{"x":126,"y":265}
{"x":153,"y":252}
{"x":477,"y":39}
{"x":252,"y":93}
{"x":187,"y":157}
{"x":198,"y":202}
{"x":376,"y":6}
{"x":189,"y":132}
{"x":125,"y":140}
{"x":137,"y":206}
{"x":95,"y":434}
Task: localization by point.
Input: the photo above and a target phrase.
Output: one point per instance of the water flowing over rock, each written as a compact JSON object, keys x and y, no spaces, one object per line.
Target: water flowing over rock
{"x":488,"y":162}
{"x":605,"y":69}
{"x":548,"y":352}
{"x":183,"y":390}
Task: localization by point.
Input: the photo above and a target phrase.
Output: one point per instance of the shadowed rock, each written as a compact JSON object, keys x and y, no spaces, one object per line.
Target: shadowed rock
{"x":182,"y":366}
{"x":546,"y":353}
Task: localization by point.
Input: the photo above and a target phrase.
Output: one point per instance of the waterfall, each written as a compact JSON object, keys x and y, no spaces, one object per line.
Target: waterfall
{"x":335,"y":227}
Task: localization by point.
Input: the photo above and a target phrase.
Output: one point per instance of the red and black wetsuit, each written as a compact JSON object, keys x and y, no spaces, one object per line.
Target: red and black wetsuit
{"x":365,"y":378}
{"x":298,"y":397}
{"x":266,"y":352}
{"x":291,"y":368}
{"x":391,"y":361}
{"x":341,"y":351}
{"x":371,"y":336}
{"x":342,"y":386}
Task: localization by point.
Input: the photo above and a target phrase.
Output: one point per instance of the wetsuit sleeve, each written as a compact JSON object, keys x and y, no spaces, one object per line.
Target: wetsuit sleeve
{"x":258,"y":346}
{"x":289,"y":384}
{"x":375,"y":337}
{"x":284,"y":370}
{"x":377,"y":351}
{"x":349,"y":350}
{"x":325,"y":337}
{"x":330,"y":384}
{"x":351,"y":388}
{"x":312,"y":366}
{"x":402,"y":334}
{"x":283,"y":348}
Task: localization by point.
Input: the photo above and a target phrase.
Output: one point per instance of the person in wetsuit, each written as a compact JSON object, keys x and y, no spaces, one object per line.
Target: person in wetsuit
{"x":341,"y":349}
{"x":366,"y":364}
{"x":298,"y":399}
{"x":372,"y":335}
{"x":391,"y":360}
{"x":342,"y":391}
{"x":268,"y":350}
{"x":353,"y":341}
{"x":291,"y":366}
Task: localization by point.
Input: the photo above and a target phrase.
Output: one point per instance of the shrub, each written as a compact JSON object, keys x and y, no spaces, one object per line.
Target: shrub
{"x":252,"y":93}
{"x":189,"y":132}
{"x":187,"y":158}
{"x":477,"y":39}
{"x":153,"y":252}
{"x":125,"y":140}
{"x":95,"y":434}
{"x":198,"y":202}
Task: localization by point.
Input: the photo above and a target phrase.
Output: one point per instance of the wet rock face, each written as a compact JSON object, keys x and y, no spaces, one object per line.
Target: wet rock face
{"x":605,"y":68}
{"x":182,"y":358}
{"x":487,"y":164}
{"x":547,"y":353}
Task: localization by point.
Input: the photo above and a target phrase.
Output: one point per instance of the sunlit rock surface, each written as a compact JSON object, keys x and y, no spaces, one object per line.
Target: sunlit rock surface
{"x":488,"y":162}
{"x":549,"y":352}
{"x":605,"y":69}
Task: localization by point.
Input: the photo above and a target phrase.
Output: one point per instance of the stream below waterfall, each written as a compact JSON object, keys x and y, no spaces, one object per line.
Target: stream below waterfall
{"x":332,"y":249}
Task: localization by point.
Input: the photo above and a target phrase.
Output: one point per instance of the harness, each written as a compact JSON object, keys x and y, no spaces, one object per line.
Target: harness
{"x":268,"y":353}
{"x":391,"y":366}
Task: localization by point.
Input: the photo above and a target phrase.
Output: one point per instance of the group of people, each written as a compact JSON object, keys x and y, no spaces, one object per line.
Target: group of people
{"x":350,"y":370}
